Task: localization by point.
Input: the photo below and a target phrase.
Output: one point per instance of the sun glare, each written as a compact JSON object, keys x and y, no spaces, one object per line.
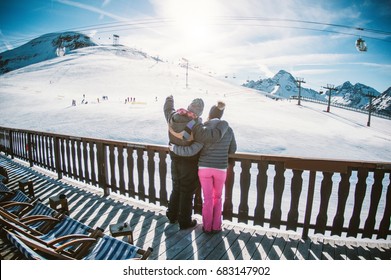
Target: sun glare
{"x":192,"y":22}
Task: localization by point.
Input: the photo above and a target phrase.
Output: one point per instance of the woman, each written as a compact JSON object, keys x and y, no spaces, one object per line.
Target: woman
{"x":212,"y":168}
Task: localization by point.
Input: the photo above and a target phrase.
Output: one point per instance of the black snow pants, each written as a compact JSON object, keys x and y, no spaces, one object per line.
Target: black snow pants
{"x":184,"y":172}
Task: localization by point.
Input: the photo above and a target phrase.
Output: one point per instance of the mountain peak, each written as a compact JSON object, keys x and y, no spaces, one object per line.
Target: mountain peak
{"x":41,"y":49}
{"x":283,"y":73}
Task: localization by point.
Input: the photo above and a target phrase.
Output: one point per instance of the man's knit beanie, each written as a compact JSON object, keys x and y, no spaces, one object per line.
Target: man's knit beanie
{"x":196,"y":106}
{"x":217,"y":110}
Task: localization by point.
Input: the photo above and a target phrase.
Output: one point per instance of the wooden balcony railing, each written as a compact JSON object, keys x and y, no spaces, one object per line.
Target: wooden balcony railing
{"x":309,"y":196}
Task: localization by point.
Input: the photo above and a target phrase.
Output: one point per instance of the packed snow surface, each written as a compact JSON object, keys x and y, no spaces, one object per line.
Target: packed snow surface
{"x":39,"y":97}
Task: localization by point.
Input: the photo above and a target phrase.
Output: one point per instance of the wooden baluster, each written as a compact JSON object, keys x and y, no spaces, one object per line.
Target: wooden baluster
{"x":46,"y":151}
{"x":19,"y":145}
{"x":376,"y":192}
{"x":384,"y":228}
{"x":229,"y":184}
{"x":278,"y":187}
{"x":34,"y":147}
{"x":325,"y":192}
{"x":113,"y":175}
{"x":80,"y":168}
{"x":93,"y":159}
{"x":163,"y":178}
{"x":309,"y":204}
{"x":57,"y":157}
{"x":151,"y":176}
{"x":296,"y":187}
{"x":74,"y":158}
{"x":140,"y":170}
{"x":14,"y":142}
{"x":121,"y":170}
{"x":68,"y":146}
{"x":62,"y":143}
{"x":259,"y":213}
{"x":361,"y":188}
{"x":52,"y":153}
{"x":85,"y":161}
{"x":11,"y":143}
{"x":102,"y":167}
{"x":20,"y":136}
{"x":245,"y":178}
{"x":343,"y":193}
{"x":30,"y":150}
{"x":49,"y":152}
{"x":41,"y":151}
{"x":23,"y":142}
{"x":131,"y":187}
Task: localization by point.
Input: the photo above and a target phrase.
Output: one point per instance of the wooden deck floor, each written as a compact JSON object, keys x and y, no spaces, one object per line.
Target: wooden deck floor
{"x":151,"y":228}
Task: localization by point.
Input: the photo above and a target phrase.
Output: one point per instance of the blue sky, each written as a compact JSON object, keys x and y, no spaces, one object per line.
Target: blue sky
{"x":248,"y":39}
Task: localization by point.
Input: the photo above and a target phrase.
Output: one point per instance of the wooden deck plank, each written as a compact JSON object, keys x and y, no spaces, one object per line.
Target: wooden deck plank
{"x":236,"y":249}
{"x":264,"y":247}
{"x":315,"y":252}
{"x":180,"y":241}
{"x":303,"y":249}
{"x":328,"y":251}
{"x":222,"y":247}
{"x":290,"y":250}
{"x":205,"y":244}
{"x":152,"y":229}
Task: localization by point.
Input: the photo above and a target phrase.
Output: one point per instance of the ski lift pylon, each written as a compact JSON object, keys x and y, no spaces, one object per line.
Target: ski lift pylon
{"x":361,"y":46}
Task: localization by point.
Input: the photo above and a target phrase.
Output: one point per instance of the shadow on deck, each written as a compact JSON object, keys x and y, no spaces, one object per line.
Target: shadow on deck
{"x":152,"y":229}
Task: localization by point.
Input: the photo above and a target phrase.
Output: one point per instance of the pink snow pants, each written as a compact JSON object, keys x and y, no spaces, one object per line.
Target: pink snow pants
{"x":212,"y":182}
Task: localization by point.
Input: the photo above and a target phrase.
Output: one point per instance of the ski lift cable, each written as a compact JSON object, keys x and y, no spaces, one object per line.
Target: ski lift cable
{"x":317,"y":23}
{"x":224,"y":21}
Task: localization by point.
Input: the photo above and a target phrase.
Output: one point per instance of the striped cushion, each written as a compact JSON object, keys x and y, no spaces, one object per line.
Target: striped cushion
{"x":24,"y":249}
{"x":64,"y":227}
{"x":110,"y":248}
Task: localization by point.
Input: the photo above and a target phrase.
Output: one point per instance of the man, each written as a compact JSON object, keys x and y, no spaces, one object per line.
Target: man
{"x":185,"y":127}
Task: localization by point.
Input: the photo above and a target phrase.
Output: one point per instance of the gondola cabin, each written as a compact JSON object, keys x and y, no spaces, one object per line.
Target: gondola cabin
{"x":361,"y":46}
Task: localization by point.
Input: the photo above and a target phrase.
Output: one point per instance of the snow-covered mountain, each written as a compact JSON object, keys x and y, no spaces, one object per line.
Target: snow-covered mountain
{"x":40,"y":97}
{"x":42,"y":48}
{"x":353,"y":95}
{"x":282,"y":85}
{"x":382,"y":103}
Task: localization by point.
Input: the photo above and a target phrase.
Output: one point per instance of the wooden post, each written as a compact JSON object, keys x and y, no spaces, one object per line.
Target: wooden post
{"x":151,"y":176}
{"x":57,"y":157}
{"x":229,"y":183}
{"x":102,"y":173}
{"x":140,"y":171}
{"x":245,"y":178}
{"x":278,"y":188}
{"x":296,"y":187}
{"x":309,"y":204}
{"x":259,"y":215}
{"x":11,"y":149}
{"x":30,"y":148}
{"x":163,"y":178}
